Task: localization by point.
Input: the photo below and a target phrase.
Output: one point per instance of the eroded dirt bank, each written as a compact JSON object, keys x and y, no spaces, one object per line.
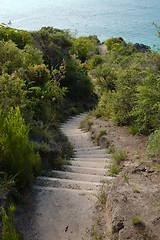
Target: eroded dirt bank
{"x":133,"y":200}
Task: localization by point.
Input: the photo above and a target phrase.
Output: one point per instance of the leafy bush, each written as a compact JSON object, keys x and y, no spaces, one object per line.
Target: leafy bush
{"x":17,"y":155}
{"x":20,"y":37}
{"x":147,"y":104}
{"x":10,"y":57}
{"x":39,"y":74}
{"x":12,"y":92}
{"x":94,"y":61}
{"x":84,"y":47}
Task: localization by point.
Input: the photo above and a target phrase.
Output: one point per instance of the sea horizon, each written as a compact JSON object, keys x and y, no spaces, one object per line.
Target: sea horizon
{"x":130,"y":19}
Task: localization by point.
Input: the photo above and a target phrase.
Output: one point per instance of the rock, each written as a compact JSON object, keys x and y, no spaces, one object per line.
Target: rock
{"x":117,"y":225}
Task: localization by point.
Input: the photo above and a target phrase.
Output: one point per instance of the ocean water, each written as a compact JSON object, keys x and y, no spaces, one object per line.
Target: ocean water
{"x":130,"y":19}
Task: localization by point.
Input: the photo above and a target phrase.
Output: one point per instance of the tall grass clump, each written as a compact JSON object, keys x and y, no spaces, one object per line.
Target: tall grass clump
{"x":8,"y":228}
{"x":6,"y":182}
{"x":86,"y":124}
{"x":119,"y":156}
{"x":116,"y":163}
{"x":153,"y":148}
{"x":17,"y":156}
{"x":100,"y":134}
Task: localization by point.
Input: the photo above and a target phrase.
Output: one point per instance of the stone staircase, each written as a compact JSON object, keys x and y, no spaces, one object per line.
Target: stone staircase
{"x":87,"y":170}
{"x":66,"y":199}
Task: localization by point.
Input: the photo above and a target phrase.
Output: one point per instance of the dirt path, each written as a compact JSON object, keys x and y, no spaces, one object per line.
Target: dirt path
{"x":64,"y":203}
{"x":102,"y":49}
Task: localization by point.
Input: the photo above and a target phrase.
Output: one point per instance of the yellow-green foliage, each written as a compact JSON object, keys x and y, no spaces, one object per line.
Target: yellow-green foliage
{"x":117,"y":157}
{"x":84,"y":47}
{"x":86,"y":124}
{"x":12,"y":92}
{"x":128,"y":85}
{"x":39,"y":81}
{"x":8,"y":228}
{"x":136,"y":220}
{"x":17,"y":154}
{"x":99,"y":134}
{"x":20,"y":37}
{"x":153,"y":148}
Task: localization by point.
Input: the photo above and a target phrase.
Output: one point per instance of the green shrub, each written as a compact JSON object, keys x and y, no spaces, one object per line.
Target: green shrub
{"x":94,"y":61}
{"x":111,"y":149}
{"x":12,"y":92}
{"x":5,"y":182}
{"x":136,"y":220}
{"x":119,"y":156}
{"x":86,"y":124}
{"x":146,"y":111}
{"x":84,"y":47}
{"x":58,"y":162}
{"x":99,"y":134}
{"x":17,"y":154}
{"x":153,"y":148}
{"x":102,"y":196}
{"x":113,"y":170}
{"x":8,"y":228}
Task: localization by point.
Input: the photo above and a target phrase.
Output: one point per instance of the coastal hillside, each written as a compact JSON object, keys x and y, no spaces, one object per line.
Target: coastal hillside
{"x":49,"y":75}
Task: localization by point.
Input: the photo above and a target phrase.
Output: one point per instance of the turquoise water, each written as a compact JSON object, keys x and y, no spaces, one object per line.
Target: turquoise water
{"x":130,"y":19}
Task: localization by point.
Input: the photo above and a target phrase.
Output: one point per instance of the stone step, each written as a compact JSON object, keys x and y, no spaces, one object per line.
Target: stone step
{"x":75,"y":132}
{"x":78,"y":136}
{"x":88,"y":164}
{"x":72,"y":123}
{"x":87,"y":148}
{"x":84,"y":170}
{"x":54,"y":189}
{"x":90,"y":159}
{"x":91,"y":151}
{"x":90,"y":155}
{"x":82,"y":143}
{"x":78,"y":176}
{"x":68,"y":183}
{"x":79,"y":133}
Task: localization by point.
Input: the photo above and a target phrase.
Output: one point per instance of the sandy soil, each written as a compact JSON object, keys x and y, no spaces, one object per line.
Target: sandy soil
{"x":102,"y":49}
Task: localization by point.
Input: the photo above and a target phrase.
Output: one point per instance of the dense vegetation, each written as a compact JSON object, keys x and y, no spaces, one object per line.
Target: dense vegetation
{"x":45,"y":76}
{"x":127,"y":82}
{"x":44,"y":79}
{"x":42,"y":82}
